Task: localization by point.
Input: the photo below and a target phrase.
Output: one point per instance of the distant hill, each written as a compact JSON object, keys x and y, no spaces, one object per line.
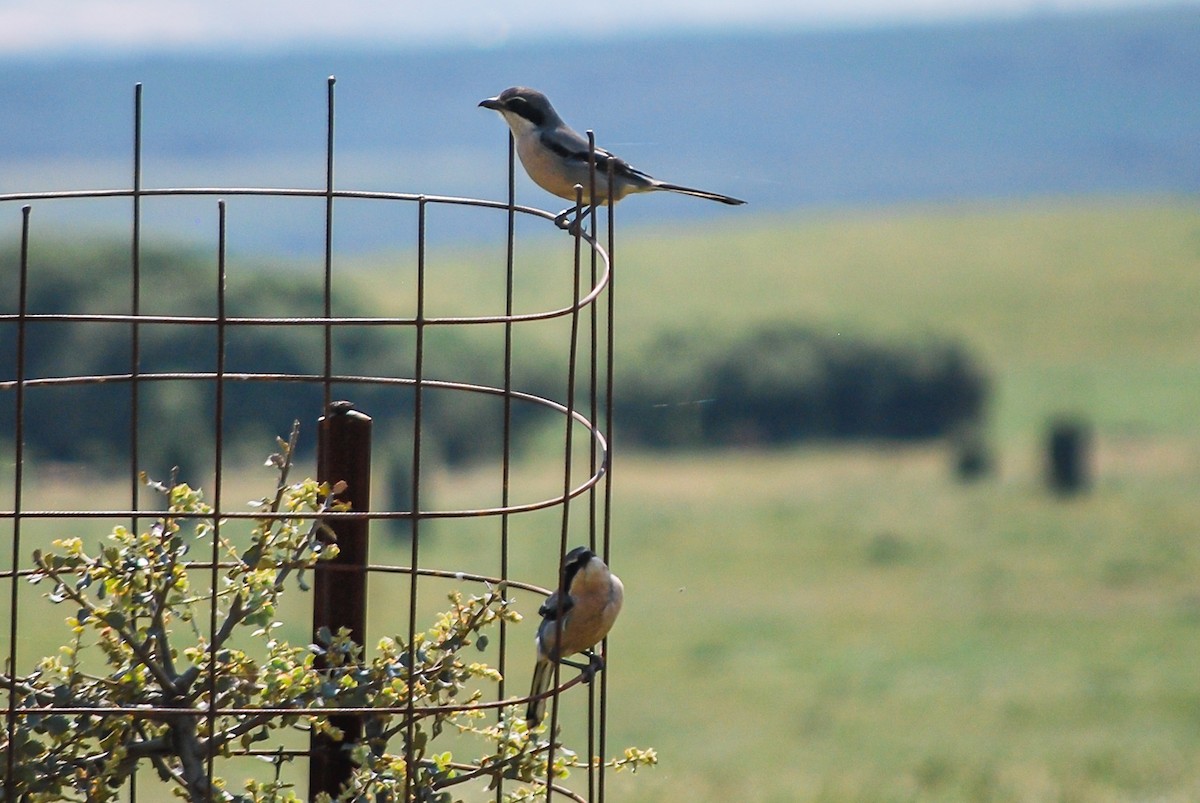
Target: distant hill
{"x":1049,"y":104}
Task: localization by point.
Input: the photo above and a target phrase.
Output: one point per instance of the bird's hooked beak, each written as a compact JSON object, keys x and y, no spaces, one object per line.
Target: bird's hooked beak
{"x":492,"y":103}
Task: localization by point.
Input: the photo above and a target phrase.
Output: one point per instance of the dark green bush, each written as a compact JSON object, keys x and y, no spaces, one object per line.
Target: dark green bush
{"x":784,"y":383}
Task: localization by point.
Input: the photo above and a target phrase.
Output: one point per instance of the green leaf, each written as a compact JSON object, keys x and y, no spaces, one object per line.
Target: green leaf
{"x":253,"y":555}
{"x":57,"y":725}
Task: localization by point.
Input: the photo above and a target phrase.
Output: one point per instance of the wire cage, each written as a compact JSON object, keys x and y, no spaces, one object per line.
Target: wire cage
{"x":339,"y":409}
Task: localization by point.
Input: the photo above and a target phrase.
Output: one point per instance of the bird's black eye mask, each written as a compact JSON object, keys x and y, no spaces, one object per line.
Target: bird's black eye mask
{"x":576,"y":559}
{"x":524,"y":108}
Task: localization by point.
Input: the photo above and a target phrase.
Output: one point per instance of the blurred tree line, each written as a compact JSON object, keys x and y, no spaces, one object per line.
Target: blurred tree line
{"x":778,"y":383}
{"x":783,"y":382}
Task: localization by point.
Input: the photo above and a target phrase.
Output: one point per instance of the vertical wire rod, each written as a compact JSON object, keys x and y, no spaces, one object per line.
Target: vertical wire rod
{"x":506,"y":460}
{"x":418,"y":412}
{"x":18,"y":480}
{"x":218,"y":459}
{"x":568,"y":447}
{"x":606,"y":543}
{"x":592,"y":452}
{"x":135,"y":302}
{"x":506,"y":446}
{"x":135,"y":347}
{"x":593,"y":370}
{"x":329,"y":120}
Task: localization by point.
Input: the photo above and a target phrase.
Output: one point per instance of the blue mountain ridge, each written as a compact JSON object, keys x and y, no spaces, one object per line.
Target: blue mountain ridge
{"x":1050,"y":104}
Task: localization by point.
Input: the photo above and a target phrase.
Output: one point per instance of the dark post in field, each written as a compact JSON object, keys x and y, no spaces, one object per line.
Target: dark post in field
{"x":340,"y":584}
{"x":1068,"y":456}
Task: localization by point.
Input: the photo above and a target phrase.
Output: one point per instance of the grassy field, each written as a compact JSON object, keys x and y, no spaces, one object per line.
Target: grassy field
{"x":849,"y":625}
{"x":826,"y":623}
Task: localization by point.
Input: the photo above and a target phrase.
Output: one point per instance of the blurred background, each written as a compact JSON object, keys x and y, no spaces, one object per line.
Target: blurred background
{"x":906,"y":448}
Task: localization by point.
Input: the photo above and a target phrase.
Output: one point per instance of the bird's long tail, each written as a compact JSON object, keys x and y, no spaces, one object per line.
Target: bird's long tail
{"x":712,"y":196}
{"x":543,"y":673}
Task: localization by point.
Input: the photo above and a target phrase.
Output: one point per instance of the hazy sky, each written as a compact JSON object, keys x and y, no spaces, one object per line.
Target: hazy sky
{"x":33,"y":26}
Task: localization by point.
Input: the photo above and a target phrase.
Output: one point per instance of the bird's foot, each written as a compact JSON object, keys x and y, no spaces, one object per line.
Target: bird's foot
{"x":595,"y":664}
{"x":572,"y":225}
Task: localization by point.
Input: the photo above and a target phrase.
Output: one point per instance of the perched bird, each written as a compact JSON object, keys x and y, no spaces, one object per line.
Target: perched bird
{"x":588,"y":600}
{"x":556,"y":157}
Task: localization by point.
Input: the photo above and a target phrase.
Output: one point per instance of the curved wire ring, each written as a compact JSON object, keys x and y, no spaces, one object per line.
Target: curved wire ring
{"x":591,"y":481}
{"x":588,"y":298}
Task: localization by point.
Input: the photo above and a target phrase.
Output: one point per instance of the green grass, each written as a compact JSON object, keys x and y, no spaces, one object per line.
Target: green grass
{"x":840,"y":623}
{"x":850,"y":624}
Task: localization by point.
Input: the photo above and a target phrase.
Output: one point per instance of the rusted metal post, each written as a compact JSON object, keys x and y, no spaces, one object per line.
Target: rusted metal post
{"x":340,"y":585}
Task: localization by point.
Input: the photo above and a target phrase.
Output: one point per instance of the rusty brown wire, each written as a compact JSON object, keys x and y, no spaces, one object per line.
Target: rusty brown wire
{"x":595,"y":420}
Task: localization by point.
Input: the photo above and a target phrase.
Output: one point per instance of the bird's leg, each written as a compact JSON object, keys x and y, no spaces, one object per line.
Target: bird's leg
{"x":595,"y":664}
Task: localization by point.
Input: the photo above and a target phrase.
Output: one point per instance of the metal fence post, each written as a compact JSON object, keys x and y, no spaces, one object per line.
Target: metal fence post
{"x":340,"y":585}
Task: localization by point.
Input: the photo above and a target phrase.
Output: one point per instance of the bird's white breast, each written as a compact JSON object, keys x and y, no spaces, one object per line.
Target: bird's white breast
{"x":546,"y":168}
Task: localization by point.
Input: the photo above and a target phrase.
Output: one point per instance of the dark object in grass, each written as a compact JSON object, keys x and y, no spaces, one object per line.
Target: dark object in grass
{"x":1068,"y":452}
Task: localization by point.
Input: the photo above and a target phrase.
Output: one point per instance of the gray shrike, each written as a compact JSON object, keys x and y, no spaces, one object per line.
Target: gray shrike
{"x":588,"y":599}
{"x":556,"y":157}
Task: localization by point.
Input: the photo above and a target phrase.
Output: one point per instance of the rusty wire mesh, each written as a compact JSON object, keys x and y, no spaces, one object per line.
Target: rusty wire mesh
{"x":584,"y":409}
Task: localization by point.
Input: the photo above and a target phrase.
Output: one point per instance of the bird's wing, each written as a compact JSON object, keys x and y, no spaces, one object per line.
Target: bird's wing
{"x":620,"y":167}
{"x":550,"y":607}
{"x":574,"y":149}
